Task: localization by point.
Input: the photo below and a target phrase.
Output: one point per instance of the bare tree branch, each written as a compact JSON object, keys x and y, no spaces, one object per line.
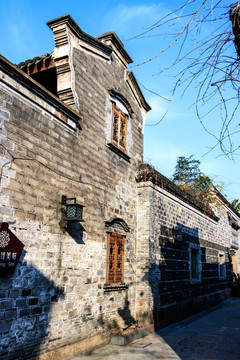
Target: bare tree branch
{"x":206,"y":37}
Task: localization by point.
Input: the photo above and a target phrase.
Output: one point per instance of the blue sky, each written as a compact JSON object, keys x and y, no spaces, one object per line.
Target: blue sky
{"x":24,"y":35}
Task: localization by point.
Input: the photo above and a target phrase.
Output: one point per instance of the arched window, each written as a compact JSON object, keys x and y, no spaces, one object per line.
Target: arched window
{"x":115,"y":251}
{"x":119,"y":139}
{"x":115,"y":256}
{"x":119,"y":127}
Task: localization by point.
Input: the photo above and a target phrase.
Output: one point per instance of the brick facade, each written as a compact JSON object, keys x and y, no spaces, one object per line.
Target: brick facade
{"x":59,"y":300}
{"x":173,"y":231}
{"x":57,"y":296}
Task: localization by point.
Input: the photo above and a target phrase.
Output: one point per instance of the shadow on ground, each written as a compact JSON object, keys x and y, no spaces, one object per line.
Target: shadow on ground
{"x":26,"y":297}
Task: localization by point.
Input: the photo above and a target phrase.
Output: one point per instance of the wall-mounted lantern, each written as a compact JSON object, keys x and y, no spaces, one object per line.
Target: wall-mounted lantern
{"x":74,"y":211}
{"x":231,"y":252}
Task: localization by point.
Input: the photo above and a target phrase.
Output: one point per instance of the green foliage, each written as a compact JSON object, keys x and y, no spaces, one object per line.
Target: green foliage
{"x":236,"y":204}
{"x":186,"y":170}
{"x":189,"y":178}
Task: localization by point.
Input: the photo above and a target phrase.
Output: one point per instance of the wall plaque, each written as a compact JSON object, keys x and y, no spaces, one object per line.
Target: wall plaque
{"x":10,"y":250}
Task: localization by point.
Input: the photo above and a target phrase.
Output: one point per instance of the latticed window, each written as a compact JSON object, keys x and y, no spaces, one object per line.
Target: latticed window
{"x":115,"y":254}
{"x":119,"y":128}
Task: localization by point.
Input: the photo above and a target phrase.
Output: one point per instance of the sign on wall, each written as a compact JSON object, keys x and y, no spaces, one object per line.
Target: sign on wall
{"x":10,"y":250}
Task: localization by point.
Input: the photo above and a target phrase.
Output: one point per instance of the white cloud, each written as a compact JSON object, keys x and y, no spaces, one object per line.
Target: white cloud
{"x":160,"y":107}
{"x":125,"y":17}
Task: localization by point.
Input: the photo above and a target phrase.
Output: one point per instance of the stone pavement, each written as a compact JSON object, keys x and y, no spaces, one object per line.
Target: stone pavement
{"x":210,"y":335}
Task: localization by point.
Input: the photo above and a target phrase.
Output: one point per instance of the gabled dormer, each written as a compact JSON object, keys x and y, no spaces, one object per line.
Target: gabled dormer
{"x":67,"y":35}
{"x":113,"y":41}
{"x":57,"y":71}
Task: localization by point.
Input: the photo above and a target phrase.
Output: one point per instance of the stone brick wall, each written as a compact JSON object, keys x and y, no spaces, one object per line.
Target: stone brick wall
{"x":56,"y":296}
{"x":171,"y":294}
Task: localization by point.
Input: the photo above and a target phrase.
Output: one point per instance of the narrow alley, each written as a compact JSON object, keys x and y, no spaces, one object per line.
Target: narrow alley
{"x":210,"y":335}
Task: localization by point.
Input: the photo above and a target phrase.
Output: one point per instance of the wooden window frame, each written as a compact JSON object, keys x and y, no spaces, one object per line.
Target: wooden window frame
{"x":114,"y":273}
{"x":119,"y":127}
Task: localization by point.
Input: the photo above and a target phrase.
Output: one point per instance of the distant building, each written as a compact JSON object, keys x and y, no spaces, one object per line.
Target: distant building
{"x":191,"y":253}
{"x":109,"y":243}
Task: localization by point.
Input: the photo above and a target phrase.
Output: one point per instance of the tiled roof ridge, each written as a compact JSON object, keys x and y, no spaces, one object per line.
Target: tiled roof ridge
{"x":148,"y":173}
{"x":34,"y":60}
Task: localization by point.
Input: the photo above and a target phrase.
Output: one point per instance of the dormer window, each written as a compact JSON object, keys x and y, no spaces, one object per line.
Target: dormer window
{"x":119,"y":127}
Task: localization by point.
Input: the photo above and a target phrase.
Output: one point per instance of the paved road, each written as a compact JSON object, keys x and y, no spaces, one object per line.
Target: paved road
{"x":211,"y":335}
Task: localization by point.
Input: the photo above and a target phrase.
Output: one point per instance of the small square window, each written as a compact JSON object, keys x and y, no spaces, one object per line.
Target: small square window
{"x":195,"y":267}
{"x":221,"y":265}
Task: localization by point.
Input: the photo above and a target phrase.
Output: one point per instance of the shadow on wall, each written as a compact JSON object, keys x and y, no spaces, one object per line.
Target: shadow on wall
{"x":76,"y":231}
{"x":185,"y":281}
{"x":125,"y":313}
{"x":26,"y":298}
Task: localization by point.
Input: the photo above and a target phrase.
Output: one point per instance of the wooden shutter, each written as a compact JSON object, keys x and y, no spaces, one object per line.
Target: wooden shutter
{"x":115,"y":258}
{"x":115,"y":125}
{"x":119,"y":128}
{"x":123,"y":131}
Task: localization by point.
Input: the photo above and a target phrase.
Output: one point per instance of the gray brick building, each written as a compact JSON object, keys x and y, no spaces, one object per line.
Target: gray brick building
{"x":139,"y":253}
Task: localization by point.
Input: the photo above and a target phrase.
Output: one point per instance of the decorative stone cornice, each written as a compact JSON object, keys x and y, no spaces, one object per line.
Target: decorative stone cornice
{"x":119,"y":222}
{"x":137,"y":91}
{"x":122,"y":99}
{"x":67,"y":34}
{"x":113,"y":41}
{"x":59,"y":28}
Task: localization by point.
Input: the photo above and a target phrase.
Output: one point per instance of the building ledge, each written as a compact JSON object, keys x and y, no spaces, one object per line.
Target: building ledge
{"x":114,"y":287}
{"x":119,"y":152}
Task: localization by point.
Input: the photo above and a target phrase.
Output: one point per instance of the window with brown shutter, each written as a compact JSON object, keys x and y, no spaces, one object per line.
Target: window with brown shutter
{"x":115,"y":255}
{"x":119,"y":128}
